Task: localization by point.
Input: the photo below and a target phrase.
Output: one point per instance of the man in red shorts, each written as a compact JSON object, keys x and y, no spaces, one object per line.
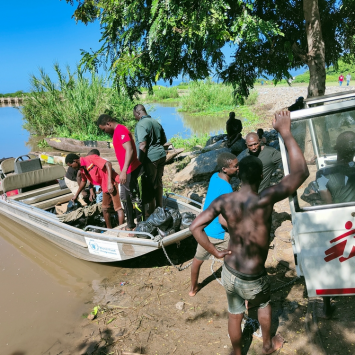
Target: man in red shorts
{"x":130,"y":166}
{"x":99,"y":172}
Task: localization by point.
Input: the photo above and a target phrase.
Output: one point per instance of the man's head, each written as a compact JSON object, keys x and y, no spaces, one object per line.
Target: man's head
{"x":260,"y":133}
{"x":139,"y":111}
{"x":252,"y":141}
{"x":72,"y":160}
{"x":345,"y":146}
{"x":94,"y":152}
{"x":228,"y":164}
{"x":251,"y":170}
{"x":107,"y":124}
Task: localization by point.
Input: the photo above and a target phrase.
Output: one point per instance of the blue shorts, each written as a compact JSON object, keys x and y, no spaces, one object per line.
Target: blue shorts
{"x":256,"y":291}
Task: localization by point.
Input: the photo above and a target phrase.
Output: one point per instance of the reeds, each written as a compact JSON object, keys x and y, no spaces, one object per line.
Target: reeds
{"x":71,"y":106}
{"x":208,"y":97}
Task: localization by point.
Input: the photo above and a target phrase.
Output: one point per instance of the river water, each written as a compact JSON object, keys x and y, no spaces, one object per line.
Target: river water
{"x":44,"y":291}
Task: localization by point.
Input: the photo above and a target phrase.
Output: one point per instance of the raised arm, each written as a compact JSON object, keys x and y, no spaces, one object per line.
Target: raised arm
{"x":298,"y":167}
{"x":201,"y":222}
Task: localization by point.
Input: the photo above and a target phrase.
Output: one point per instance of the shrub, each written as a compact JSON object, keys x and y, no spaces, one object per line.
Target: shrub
{"x":71,"y":107}
{"x":207,"y":96}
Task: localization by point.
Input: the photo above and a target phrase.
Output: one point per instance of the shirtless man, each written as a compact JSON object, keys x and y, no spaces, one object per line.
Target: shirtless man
{"x":248,"y":216}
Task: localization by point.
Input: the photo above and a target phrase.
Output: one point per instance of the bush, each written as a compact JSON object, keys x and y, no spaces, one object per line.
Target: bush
{"x":207,"y":96}
{"x":71,"y":107}
{"x":164,"y":93}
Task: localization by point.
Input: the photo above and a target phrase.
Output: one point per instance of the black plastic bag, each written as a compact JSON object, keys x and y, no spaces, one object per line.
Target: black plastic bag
{"x":161,"y":218}
{"x":146,"y":227}
{"x":186,"y":219}
{"x":73,"y":205}
{"x":176,"y":215}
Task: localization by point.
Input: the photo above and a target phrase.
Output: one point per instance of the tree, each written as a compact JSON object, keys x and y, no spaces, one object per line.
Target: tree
{"x":147,"y":40}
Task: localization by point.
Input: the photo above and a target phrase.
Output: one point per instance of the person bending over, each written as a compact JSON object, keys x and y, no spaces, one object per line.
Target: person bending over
{"x":99,"y":172}
{"x":248,"y":217}
{"x":217,"y":230}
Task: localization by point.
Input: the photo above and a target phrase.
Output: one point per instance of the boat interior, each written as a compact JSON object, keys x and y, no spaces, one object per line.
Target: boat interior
{"x":40,"y":189}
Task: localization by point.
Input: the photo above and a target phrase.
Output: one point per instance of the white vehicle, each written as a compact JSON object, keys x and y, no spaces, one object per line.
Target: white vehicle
{"x":323,"y":235}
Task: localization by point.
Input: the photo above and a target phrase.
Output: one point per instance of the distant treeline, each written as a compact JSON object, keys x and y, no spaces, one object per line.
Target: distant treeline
{"x":15,"y":94}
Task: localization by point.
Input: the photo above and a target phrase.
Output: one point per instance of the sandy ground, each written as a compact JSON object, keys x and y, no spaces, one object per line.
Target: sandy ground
{"x":145,"y":308}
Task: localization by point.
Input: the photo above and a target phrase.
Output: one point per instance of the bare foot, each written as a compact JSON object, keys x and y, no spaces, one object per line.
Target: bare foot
{"x":277,"y":342}
{"x":193,"y":291}
{"x":128,"y":230}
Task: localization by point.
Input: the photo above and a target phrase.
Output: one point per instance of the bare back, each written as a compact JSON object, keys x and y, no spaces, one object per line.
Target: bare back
{"x":249,"y":226}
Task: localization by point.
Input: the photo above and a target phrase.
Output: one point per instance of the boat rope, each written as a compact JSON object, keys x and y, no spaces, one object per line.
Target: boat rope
{"x":179,"y":268}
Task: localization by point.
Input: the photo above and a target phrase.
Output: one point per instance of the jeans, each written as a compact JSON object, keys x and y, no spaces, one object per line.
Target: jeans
{"x":340,"y":83}
{"x":347,"y":82}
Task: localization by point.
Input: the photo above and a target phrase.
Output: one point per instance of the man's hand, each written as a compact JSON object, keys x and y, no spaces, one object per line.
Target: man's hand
{"x":110,"y":187}
{"x":123,"y":177}
{"x":221,"y":254}
{"x":92,"y":196}
{"x":282,"y":122}
{"x":74,"y":198}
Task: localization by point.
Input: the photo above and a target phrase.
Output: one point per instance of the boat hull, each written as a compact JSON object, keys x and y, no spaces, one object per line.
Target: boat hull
{"x":75,"y":241}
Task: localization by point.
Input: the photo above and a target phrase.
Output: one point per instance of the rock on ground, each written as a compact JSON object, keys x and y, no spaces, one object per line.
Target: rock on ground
{"x":200,"y":168}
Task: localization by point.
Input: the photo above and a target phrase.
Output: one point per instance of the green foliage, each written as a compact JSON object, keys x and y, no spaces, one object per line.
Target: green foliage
{"x":19,"y":93}
{"x":42,"y":144}
{"x":70,"y":107}
{"x":189,"y":143}
{"x":332,"y":73}
{"x":163,"y":93}
{"x":143,"y":42}
{"x":207,"y":97}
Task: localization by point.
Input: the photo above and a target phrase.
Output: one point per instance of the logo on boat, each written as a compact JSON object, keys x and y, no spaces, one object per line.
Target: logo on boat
{"x":93,"y":245}
{"x":345,"y":249}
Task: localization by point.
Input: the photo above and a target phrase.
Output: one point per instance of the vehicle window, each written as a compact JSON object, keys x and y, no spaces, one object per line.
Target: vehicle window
{"x":328,"y":144}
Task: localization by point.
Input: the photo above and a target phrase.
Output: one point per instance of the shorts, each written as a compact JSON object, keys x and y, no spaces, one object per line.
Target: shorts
{"x":107,"y":198}
{"x":220,"y":244}
{"x":152,"y":178}
{"x":256,"y":292}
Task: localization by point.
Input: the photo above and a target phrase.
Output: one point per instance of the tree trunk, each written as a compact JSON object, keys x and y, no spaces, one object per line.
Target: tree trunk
{"x":316,"y":48}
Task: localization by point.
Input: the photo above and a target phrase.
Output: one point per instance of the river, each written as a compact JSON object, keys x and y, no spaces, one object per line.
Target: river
{"x":44,"y":291}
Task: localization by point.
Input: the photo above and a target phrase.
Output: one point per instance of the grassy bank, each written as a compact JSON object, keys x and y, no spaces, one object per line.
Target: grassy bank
{"x":189,"y":143}
{"x":70,"y":106}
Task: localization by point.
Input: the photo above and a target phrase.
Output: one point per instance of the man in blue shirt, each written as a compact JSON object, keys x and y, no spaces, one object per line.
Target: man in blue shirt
{"x":217,"y":229}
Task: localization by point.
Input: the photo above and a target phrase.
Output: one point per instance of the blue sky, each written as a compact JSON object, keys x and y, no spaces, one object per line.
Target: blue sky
{"x":38,"y":33}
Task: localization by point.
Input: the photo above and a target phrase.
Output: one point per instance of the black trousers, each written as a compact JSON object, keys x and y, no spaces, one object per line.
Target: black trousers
{"x":130,"y":197}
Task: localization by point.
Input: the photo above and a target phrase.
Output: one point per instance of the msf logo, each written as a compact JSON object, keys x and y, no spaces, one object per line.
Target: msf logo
{"x":345,"y":249}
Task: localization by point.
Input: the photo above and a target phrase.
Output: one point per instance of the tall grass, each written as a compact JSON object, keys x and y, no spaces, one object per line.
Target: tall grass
{"x":70,"y":106}
{"x":207,"y":97}
{"x":163,"y":93}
